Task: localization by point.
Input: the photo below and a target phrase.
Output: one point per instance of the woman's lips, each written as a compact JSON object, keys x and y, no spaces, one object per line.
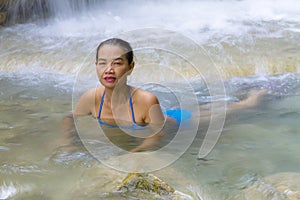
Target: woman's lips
{"x":110,"y":79}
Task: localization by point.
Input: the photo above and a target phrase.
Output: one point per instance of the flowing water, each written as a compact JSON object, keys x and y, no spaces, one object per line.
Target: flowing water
{"x":45,"y":66}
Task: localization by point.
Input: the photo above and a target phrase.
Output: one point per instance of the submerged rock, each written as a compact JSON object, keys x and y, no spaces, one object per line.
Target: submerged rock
{"x":146,"y":183}
{"x":281,"y":186}
{"x":286,"y":183}
{"x":148,"y":186}
{"x":100,"y":182}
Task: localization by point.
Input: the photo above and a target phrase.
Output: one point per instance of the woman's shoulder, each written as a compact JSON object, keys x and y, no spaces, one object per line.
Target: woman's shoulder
{"x":95,"y":92}
{"x":85,"y":105}
{"x":142,"y":96}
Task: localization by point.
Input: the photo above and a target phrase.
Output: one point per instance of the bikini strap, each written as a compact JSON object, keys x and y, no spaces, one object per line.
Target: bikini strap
{"x":131,"y":107}
{"x":101,"y":105}
{"x":130,"y":103}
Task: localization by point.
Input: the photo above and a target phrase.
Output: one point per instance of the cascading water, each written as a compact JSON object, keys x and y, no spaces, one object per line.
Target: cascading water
{"x":255,"y":31}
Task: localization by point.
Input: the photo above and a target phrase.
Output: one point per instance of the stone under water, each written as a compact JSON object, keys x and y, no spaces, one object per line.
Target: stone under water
{"x":281,"y":186}
{"x":147,"y":183}
{"x":148,"y":186}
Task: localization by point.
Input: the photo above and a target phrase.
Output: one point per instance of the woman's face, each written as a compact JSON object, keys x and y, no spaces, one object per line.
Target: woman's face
{"x":112,"y":65}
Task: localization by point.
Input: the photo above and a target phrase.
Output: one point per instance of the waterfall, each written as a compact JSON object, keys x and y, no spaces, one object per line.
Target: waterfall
{"x":242,"y":37}
{"x":19,"y":11}
{"x":69,"y":8}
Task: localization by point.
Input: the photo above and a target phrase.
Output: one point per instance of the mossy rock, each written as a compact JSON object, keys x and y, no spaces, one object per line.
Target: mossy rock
{"x":145,"y":183}
{"x":100,"y":182}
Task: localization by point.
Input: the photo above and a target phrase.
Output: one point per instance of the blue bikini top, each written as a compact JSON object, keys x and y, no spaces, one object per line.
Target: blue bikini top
{"x":178,"y":114}
{"x":134,"y":126}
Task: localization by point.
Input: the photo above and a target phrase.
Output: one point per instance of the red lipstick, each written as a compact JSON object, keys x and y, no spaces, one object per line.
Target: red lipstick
{"x":110,"y":79}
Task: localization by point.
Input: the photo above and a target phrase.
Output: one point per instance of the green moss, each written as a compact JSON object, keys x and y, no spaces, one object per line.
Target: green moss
{"x":146,"y":183}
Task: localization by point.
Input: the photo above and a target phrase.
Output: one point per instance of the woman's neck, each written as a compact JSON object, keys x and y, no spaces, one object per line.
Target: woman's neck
{"x":118,"y":95}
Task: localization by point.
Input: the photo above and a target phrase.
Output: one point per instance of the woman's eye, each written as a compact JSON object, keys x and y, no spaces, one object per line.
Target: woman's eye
{"x":117,"y":63}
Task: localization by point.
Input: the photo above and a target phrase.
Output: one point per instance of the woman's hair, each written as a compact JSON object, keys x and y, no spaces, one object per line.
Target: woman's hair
{"x":118,"y":42}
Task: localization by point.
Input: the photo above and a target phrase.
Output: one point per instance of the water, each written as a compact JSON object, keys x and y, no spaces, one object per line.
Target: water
{"x":253,"y":45}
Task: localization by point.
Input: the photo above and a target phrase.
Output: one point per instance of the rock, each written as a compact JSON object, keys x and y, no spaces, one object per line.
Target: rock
{"x":146,"y":183}
{"x":100,"y":182}
{"x":148,"y":186}
{"x":3,"y":4}
{"x":20,"y":11}
{"x":281,"y":186}
{"x":2,"y":17}
{"x":286,"y":183}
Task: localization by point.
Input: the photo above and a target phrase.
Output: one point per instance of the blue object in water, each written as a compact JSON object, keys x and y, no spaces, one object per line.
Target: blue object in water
{"x":178,"y":114}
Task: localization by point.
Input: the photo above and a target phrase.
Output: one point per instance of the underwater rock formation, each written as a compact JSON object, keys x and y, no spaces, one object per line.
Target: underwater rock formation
{"x":148,"y":186}
{"x":138,"y":182}
{"x":100,"y":182}
{"x":281,"y":186}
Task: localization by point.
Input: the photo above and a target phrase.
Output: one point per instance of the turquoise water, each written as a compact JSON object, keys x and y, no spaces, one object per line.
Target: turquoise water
{"x":254,"y":143}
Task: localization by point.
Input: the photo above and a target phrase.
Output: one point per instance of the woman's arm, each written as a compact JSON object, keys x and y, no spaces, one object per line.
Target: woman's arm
{"x":157,"y":123}
{"x":85,"y":106}
{"x":170,"y":125}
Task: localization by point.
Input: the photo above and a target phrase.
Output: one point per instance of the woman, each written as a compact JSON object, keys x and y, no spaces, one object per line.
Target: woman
{"x":116,"y":104}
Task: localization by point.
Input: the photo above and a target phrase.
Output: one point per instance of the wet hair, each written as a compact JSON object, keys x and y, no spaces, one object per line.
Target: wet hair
{"x":118,"y":42}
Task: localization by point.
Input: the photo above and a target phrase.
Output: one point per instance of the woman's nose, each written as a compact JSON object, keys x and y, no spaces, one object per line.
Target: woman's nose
{"x":109,"y":68}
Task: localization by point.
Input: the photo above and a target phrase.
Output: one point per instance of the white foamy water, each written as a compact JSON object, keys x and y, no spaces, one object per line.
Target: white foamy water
{"x":264,"y":33}
{"x":7,"y":191}
{"x":215,"y":18}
